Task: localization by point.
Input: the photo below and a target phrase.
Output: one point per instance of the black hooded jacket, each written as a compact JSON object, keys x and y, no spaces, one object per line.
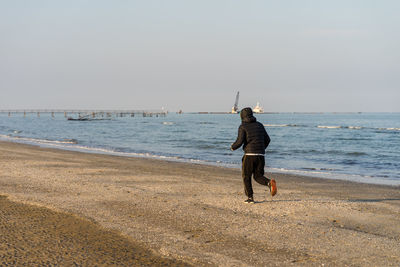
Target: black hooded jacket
{"x":251,"y":135}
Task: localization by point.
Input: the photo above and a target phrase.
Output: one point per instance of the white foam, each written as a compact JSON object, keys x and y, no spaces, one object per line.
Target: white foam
{"x":71,"y":145}
{"x":335,"y":176}
{"x":38,"y":141}
{"x":276,"y":125}
{"x":355,"y":127}
{"x":329,"y":127}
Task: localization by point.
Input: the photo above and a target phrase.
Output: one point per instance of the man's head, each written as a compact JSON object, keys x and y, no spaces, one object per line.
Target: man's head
{"x":246,"y":115}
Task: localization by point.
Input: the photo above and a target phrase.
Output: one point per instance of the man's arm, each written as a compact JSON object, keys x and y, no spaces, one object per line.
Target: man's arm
{"x":239,"y":140}
{"x":266,"y":139}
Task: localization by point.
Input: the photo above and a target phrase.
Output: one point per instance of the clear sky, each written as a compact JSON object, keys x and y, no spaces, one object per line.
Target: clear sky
{"x":294,"y":55}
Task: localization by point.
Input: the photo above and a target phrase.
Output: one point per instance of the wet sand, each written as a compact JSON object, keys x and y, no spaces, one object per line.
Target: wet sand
{"x":93,"y":209}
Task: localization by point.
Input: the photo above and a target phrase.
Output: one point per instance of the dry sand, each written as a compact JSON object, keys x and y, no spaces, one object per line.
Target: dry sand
{"x":166,"y":213}
{"x":37,"y":236}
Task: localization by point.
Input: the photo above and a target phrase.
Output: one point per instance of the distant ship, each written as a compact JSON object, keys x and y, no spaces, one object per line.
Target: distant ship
{"x":258,"y":108}
{"x":235,"y":108}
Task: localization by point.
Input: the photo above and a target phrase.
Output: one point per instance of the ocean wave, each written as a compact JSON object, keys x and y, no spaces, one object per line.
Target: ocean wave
{"x":389,"y":129}
{"x":319,"y":169}
{"x":70,"y":141}
{"x":320,"y":173}
{"x":168,"y":123}
{"x":39,"y":141}
{"x":318,"y":126}
{"x":284,"y":125}
{"x":329,"y":127}
{"x":351,"y":127}
{"x":303,"y":171}
{"x":207,"y":122}
{"x":349,"y":162}
{"x":71,"y":144}
{"x":358,"y":128}
{"x":317,"y":152}
{"x":68,"y":144}
{"x":356,"y":154}
{"x":353,"y":139}
{"x":276,"y":125}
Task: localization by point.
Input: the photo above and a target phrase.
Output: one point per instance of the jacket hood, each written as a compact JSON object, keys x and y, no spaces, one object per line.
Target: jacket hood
{"x":247,"y":115}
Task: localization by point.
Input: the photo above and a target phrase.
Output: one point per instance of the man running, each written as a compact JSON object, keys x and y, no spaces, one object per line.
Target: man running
{"x":254,"y":138}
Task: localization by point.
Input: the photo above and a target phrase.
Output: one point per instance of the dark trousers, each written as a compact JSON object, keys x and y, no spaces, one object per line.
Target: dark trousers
{"x":253,"y":165}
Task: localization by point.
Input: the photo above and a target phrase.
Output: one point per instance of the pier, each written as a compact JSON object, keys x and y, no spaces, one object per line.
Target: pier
{"x":80,"y":113}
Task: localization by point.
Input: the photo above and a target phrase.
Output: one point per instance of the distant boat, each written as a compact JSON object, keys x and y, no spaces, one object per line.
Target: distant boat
{"x":258,"y":108}
{"x":235,"y":108}
{"x":78,"y":119}
{"x":87,"y":118}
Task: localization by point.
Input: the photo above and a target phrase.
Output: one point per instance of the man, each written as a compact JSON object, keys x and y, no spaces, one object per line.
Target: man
{"x":255,"y":140}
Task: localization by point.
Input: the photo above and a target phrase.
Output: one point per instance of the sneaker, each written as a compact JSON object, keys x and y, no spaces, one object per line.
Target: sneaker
{"x":249,"y":200}
{"x":272,"y":187}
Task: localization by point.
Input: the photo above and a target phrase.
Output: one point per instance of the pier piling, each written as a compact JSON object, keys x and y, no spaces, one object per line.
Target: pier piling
{"x":88,"y":113}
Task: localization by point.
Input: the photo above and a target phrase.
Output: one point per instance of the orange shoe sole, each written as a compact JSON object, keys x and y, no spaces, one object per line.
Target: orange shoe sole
{"x":274,"y":189}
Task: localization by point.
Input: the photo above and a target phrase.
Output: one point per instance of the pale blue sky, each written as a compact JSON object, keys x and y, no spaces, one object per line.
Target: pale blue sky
{"x":194,"y":55}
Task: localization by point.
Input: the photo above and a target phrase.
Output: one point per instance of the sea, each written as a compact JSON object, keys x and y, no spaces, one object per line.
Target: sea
{"x":360,"y":147}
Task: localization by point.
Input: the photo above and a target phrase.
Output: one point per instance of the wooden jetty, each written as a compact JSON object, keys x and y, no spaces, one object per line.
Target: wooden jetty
{"x":86,"y":113}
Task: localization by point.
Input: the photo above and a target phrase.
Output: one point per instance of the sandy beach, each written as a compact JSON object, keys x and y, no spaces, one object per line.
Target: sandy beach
{"x":63,"y":208}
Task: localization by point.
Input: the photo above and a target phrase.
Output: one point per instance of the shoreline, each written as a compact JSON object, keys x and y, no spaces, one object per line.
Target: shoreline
{"x":195,"y":213}
{"x":318,"y":174}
